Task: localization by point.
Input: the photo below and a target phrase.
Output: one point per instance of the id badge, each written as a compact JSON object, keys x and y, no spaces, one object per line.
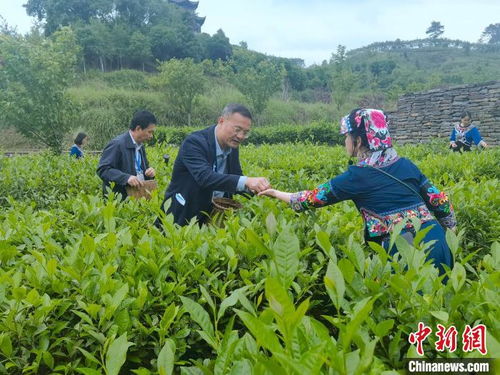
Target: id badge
{"x":180,"y":199}
{"x":140,"y":176}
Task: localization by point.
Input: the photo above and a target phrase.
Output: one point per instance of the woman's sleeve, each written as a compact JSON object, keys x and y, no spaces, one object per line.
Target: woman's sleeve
{"x":321,"y":196}
{"x":453,"y":135}
{"x":476,"y":136}
{"x":438,"y":202}
{"x":333,"y":191}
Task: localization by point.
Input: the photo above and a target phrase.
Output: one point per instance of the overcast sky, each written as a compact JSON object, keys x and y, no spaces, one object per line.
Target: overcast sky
{"x":312,"y":29}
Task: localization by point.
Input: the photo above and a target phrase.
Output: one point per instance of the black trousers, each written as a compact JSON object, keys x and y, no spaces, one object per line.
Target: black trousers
{"x":461,"y":147}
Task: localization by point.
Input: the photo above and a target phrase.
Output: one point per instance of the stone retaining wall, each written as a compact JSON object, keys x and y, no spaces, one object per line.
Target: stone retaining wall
{"x":423,"y":116}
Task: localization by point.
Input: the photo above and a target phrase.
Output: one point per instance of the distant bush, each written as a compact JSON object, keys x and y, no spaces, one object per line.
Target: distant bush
{"x":319,"y":132}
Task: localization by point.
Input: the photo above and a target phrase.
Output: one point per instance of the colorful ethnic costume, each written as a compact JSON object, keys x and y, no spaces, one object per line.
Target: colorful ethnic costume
{"x":464,"y":137}
{"x":384,"y":200}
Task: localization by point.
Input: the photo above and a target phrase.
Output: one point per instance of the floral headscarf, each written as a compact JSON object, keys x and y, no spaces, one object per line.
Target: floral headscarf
{"x":374,"y":123}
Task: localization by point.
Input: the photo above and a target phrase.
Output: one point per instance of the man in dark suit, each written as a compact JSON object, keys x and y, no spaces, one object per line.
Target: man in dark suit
{"x":208,"y":166}
{"x":123,"y":160}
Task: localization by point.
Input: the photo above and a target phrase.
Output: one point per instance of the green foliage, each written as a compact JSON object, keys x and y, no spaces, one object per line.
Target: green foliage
{"x":35,"y":74}
{"x":319,"y":132}
{"x":491,"y":34}
{"x":129,"y":33}
{"x":126,"y":79}
{"x":90,"y":286}
{"x":343,"y":80}
{"x":106,"y":112}
{"x":182,"y":81}
{"x":258,"y":83}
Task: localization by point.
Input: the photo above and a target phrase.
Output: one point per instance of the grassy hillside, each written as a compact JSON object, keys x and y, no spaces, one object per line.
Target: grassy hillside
{"x":377,"y":75}
{"x":397,"y":68}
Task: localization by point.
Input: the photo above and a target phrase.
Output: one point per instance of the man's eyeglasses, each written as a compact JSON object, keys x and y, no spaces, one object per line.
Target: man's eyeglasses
{"x":239,"y":131}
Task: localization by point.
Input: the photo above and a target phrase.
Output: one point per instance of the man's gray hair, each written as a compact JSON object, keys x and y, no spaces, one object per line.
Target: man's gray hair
{"x":236,"y":108}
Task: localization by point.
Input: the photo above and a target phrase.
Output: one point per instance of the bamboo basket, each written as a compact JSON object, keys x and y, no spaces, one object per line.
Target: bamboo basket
{"x":143,"y":191}
{"x":221,"y":207}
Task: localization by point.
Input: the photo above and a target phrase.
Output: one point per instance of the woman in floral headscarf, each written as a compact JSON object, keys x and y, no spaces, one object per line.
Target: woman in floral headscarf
{"x":385,"y":188}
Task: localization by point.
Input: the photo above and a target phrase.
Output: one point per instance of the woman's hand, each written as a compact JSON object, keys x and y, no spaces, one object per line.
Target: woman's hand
{"x":273,"y":193}
{"x":269,"y":193}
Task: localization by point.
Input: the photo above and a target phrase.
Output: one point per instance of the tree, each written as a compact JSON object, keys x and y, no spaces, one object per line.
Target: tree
{"x":382,"y":67}
{"x":57,"y":13}
{"x":34,"y":77}
{"x":105,"y":27}
{"x":435,"y":30}
{"x":183,"y":82}
{"x":140,"y":49}
{"x":259,"y":83}
{"x":94,"y":41}
{"x":342,"y":78}
{"x":218,"y":46}
{"x":491,"y":34}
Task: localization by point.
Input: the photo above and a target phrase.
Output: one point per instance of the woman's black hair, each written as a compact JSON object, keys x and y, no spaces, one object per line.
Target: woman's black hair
{"x":79,"y":138}
{"x":465,"y":114}
{"x":358,"y":131}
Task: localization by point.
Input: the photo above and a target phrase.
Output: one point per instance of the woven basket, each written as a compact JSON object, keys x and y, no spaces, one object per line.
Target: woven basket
{"x":143,"y":191}
{"x":221,"y":207}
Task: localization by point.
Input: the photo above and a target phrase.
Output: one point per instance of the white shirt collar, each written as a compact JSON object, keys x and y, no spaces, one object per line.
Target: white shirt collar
{"x":218,"y":150}
{"x":137,"y":145}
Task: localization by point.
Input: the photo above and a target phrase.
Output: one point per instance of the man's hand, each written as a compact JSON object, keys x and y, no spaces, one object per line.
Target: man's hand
{"x":134,"y":181}
{"x":150,"y":172}
{"x":453,"y":144}
{"x":257,"y":184}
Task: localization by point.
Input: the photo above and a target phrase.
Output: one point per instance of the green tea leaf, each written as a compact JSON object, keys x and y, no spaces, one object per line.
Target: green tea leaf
{"x":323,"y":240}
{"x":88,"y":371}
{"x":5,"y":344}
{"x":335,"y":286}
{"x":199,"y":315}
{"x":441,"y":315}
{"x":458,"y":276}
{"x":208,"y":298}
{"x":166,"y":358}
{"x":271,"y":223}
{"x":229,"y":301}
{"x":263,"y":333}
{"x":116,"y":354}
{"x":384,"y":327}
{"x":286,"y":252}
{"x":452,"y":241}
{"x":279,"y":301}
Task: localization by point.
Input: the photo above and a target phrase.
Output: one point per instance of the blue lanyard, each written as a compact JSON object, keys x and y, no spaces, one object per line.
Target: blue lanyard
{"x":138,"y":161}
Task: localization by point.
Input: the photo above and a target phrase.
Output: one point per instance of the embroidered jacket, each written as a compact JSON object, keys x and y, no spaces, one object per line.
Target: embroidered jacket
{"x":382,"y":201}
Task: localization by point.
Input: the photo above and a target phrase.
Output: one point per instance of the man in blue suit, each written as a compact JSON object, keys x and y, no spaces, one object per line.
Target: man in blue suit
{"x":208,"y":166}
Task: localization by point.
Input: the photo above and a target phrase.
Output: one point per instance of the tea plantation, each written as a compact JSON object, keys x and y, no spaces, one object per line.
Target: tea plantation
{"x":91,"y":287}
